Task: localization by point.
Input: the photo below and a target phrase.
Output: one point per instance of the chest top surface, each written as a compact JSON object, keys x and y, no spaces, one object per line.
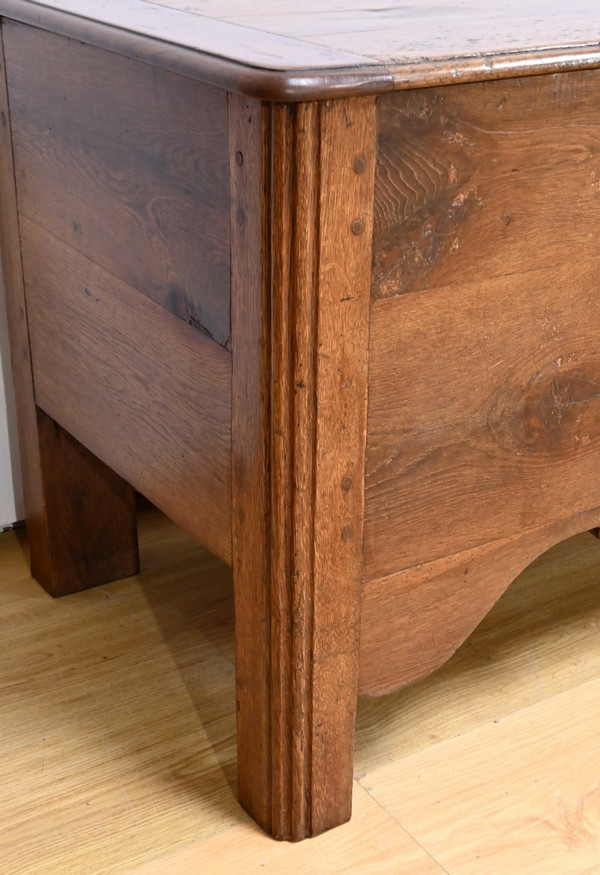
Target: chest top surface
{"x":392,"y":45}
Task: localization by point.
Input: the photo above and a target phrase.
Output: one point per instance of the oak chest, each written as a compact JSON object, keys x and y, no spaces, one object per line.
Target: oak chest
{"x":323,"y":285}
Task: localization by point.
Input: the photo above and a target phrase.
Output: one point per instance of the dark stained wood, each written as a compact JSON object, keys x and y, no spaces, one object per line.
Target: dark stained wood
{"x":323,"y":49}
{"x":139,"y":186}
{"x":300,"y":324}
{"x":413,"y":621}
{"x":90,"y":513}
{"x":80,"y":516}
{"x":451,"y":162}
{"x":158,"y":413}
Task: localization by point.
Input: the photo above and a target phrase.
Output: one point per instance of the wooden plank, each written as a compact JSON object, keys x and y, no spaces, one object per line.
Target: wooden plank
{"x":133,"y":174}
{"x":201,"y":33}
{"x":484,"y":373}
{"x":301,"y":214}
{"x":19,"y":337}
{"x":80,"y":515}
{"x":432,"y":29}
{"x":379,"y":845}
{"x":248,"y":58}
{"x":484,"y":413}
{"x":519,"y":793}
{"x":471,"y":181}
{"x":142,"y":390}
{"x":414,"y":621}
{"x":347,"y":143}
{"x":454,"y":30}
{"x":419,"y":44}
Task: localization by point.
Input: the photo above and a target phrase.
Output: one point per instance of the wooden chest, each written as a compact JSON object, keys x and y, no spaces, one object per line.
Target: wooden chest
{"x":322,"y":286}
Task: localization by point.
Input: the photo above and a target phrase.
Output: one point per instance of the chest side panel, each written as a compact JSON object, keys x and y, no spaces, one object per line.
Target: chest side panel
{"x":127,"y":164}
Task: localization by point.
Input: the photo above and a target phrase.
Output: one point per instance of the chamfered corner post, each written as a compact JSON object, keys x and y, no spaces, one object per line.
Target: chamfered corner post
{"x":80,"y":515}
{"x":302,"y":211}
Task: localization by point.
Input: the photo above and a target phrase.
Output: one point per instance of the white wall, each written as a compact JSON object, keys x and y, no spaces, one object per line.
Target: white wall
{"x":11,"y":499}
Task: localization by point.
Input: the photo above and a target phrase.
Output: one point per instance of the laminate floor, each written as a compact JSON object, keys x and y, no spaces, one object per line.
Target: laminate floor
{"x":117,"y":732}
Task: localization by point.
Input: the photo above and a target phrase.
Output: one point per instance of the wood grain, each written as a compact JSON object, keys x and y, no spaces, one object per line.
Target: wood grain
{"x":221,"y":71}
{"x":380,"y":846}
{"x":80,"y":515}
{"x":538,"y":641}
{"x":335,"y":33}
{"x":118,"y":731}
{"x":249,"y":129}
{"x":298,"y":394}
{"x":211,"y":34}
{"x":484,"y":379}
{"x":133,"y":174}
{"x":484,"y":410}
{"x":484,"y":413}
{"x":276,"y":51}
{"x":414,"y":621}
{"x":90,"y":513}
{"x":138,"y":714}
{"x":542,"y":811}
{"x":142,"y":390}
{"x":471,"y":181}
{"x":19,"y":339}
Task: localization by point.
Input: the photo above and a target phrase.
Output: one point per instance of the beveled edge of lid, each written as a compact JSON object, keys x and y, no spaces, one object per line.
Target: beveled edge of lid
{"x":295,"y":85}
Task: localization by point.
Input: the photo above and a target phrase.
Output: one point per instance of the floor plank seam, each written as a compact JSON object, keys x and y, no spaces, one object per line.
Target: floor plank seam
{"x":401,"y":825}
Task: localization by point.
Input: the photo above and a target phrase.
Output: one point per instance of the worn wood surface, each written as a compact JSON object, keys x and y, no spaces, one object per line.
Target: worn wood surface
{"x":278,"y":51}
{"x":484,"y":380}
{"x":98,"y":136}
{"x":80,"y":515}
{"x":142,"y":390}
{"x":484,"y":374}
{"x":485,"y":180}
{"x":298,"y":432}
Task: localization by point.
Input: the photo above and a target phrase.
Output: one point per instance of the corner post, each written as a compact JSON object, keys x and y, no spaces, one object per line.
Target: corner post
{"x":302,"y":204}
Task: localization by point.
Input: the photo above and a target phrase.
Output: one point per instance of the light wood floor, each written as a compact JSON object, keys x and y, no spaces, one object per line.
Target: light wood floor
{"x":117,"y":732}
